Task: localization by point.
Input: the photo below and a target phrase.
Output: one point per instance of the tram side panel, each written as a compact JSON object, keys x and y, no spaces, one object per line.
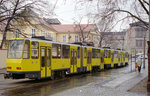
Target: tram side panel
{"x":102,"y":59}
{"x":79,"y":56}
{"x":107,"y":59}
{"x":89,"y":59}
{"x":96,"y":59}
{"x":60,"y":62}
{"x":116,"y":59}
{"x":73,"y":59}
{"x":121,"y":58}
{"x":112,"y":58}
{"x":84,"y":68}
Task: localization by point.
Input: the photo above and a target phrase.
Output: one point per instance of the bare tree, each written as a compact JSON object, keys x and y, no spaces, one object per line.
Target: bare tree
{"x":10,"y":11}
{"x":83,"y":30}
{"x":133,"y":10}
{"x":120,"y":12}
{"x":104,"y":25}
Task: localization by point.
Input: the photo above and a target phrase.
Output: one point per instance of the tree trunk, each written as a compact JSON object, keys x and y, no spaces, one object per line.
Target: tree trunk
{"x":8,"y":23}
{"x":4,"y":34}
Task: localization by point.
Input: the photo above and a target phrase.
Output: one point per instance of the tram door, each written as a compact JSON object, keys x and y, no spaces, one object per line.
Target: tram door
{"x":112,"y":59}
{"x":102,"y":60}
{"x":119,"y":58}
{"x":45,"y":62}
{"x":89,"y":60}
{"x":73,"y":61}
{"x":123,"y":58}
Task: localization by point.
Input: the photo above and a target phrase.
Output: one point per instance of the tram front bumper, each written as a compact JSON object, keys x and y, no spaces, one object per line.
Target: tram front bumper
{"x":13,"y":76}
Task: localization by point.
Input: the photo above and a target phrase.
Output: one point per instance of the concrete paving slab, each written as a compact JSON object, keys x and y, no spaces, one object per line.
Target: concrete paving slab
{"x":114,"y":83}
{"x":116,"y":87}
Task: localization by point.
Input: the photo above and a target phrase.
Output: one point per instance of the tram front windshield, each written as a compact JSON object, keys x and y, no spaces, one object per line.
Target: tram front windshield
{"x":15,"y":48}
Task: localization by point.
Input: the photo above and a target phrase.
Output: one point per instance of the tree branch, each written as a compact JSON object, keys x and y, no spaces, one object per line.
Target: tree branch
{"x":144,"y":7}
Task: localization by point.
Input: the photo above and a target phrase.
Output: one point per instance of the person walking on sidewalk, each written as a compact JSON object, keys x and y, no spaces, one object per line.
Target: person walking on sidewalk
{"x":139,"y":61}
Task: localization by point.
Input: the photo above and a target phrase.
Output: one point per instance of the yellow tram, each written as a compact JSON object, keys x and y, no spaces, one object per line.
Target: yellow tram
{"x":36,"y":59}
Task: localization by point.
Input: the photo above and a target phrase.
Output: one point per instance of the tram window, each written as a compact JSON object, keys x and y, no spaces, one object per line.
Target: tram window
{"x":15,"y":49}
{"x":102,"y":54}
{"x":75,"y":57}
{"x":65,"y":51}
{"x":88,"y":58}
{"x":94,"y":53}
{"x":98,"y":53}
{"x":56,"y":50}
{"x":26,"y":52}
{"x":105,"y":53}
{"x":85,"y":53}
{"x":78,"y":52}
{"x":115,"y":54}
{"x":72,"y":60}
{"x":108,"y":51}
{"x":48,"y":57}
{"x":126,"y":55}
{"x":34,"y":50}
{"x":43,"y":57}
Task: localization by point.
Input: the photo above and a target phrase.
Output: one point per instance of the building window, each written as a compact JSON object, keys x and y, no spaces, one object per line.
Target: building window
{"x":48,"y":34}
{"x":140,"y":32}
{"x":95,"y":39}
{"x":64,"y":38}
{"x":17,"y":33}
{"x":33,"y":32}
{"x":42,"y":33}
{"x":139,"y":43}
{"x":76,"y":38}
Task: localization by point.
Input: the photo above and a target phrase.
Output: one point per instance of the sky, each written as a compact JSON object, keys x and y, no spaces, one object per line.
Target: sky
{"x":69,"y":13}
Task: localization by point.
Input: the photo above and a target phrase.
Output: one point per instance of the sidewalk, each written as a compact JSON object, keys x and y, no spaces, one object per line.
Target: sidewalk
{"x":140,"y":87}
{"x":2,"y":71}
{"x":130,"y":84}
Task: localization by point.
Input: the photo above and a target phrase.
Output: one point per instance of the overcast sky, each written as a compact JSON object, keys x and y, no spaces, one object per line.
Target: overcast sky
{"x":68,"y":12}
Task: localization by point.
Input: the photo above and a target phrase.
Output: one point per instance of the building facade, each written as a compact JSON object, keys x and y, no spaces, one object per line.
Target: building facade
{"x":115,"y":40}
{"x":31,"y":26}
{"x":69,"y":33}
{"x":135,"y":37}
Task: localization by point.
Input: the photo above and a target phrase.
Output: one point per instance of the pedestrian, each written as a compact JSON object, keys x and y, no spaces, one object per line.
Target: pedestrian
{"x":139,"y":61}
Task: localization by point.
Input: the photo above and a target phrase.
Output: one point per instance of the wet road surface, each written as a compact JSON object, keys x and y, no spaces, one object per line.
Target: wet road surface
{"x":48,"y":87}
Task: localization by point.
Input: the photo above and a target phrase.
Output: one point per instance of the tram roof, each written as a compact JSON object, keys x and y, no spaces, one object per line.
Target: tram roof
{"x":40,"y":40}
